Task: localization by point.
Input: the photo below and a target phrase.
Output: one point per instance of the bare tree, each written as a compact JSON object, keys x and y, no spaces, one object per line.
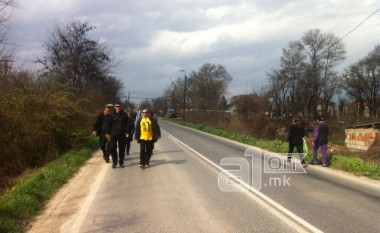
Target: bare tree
{"x":362,"y":82}
{"x":323,"y":52}
{"x":306,"y":76}
{"x":145,"y":104}
{"x":75,"y":60}
{"x":293,"y":70}
{"x":208,"y":85}
{"x":174,"y":94}
{"x":279,"y":90}
{"x":6,"y":49}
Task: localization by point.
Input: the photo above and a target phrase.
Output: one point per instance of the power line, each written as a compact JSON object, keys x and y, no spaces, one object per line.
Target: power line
{"x":137,"y":97}
{"x":340,"y":39}
{"x":359,"y":24}
{"x":271,"y":62}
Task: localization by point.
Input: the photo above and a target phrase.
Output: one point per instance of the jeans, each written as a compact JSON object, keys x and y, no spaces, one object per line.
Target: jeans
{"x":146,"y":148}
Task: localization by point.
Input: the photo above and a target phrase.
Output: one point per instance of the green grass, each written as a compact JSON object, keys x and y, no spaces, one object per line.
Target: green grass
{"x":27,"y":198}
{"x":354,"y":165}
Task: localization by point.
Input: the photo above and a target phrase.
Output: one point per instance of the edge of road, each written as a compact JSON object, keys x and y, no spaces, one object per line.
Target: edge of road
{"x":344,"y":179}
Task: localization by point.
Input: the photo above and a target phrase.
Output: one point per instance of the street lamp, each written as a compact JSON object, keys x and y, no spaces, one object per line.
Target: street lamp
{"x":184,"y":97}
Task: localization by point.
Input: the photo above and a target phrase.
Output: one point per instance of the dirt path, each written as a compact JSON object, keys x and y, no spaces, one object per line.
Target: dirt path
{"x":68,"y":199}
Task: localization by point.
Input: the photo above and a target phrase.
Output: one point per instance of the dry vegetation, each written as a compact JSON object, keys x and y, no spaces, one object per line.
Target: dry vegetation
{"x":38,"y":123}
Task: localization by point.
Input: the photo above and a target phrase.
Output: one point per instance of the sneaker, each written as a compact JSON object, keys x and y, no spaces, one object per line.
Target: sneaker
{"x":107,"y":161}
{"x":313,"y":163}
{"x":324,"y":165}
{"x":146,"y":166}
{"x":140,"y":165}
{"x":113,"y":166}
{"x":121,"y":165}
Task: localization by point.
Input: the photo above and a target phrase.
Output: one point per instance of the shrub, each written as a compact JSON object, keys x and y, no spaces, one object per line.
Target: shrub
{"x":37,"y":124}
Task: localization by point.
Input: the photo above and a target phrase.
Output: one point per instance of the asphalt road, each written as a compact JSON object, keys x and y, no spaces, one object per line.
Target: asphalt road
{"x":185,"y":190}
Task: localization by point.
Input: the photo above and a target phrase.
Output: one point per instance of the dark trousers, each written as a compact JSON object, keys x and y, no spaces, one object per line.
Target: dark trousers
{"x":118,"y":140}
{"x":146,"y":148}
{"x":128,"y":145}
{"x":104,"y":146}
{"x":299,"y":147}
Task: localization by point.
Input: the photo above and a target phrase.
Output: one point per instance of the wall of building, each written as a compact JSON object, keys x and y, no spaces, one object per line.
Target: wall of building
{"x":361,"y":139}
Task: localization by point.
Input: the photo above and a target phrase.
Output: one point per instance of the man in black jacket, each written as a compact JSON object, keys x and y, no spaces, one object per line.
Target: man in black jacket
{"x":100,"y":130}
{"x":295,"y":138}
{"x":117,"y":129}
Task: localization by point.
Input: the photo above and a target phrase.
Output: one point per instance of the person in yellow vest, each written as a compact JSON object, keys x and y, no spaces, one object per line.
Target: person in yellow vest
{"x":147,"y":133}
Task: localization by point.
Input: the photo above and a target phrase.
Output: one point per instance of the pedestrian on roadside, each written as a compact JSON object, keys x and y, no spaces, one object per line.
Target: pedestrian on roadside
{"x":129,"y":132}
{"x":320,"y":139}
{"x":117,"y":128}
{"x":100,"y":130}
{"x":295,"y":139}
{"x":147,"y":133}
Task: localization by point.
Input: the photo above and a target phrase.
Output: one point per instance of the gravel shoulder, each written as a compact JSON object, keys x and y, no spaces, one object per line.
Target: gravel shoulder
{"x":67,"y":201}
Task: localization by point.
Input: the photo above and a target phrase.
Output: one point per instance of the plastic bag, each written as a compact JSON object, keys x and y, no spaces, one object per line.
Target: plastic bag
{"x":304,"y":144}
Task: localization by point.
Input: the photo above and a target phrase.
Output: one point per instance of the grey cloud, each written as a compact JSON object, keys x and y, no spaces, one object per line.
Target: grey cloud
{"x":131,"y":28}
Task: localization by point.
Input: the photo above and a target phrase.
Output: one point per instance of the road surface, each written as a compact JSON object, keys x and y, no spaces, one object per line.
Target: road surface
{"x":184,"y":191}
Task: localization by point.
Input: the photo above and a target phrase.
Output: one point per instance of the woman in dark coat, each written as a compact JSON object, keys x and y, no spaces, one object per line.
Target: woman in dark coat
{"x":129,"y":132}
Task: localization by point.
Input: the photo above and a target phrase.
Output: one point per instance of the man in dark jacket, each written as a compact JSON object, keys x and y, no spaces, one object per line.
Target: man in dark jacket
{"x":117,"y":128}
{"x":147,"y":133}
{"x":130,"y":132}
{"x":100,"y":130}
{"x":295,"y":138}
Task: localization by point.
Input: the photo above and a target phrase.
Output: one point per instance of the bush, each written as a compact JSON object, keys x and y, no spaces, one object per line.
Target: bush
{"x":37,"y":124}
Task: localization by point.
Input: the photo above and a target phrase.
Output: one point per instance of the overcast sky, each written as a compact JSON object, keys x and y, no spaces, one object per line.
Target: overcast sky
{"x":155,"y":39}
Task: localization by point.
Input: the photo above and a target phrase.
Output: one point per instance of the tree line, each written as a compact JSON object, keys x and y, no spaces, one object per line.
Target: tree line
{"x":305,"y":83}
{"x":50,"y":111}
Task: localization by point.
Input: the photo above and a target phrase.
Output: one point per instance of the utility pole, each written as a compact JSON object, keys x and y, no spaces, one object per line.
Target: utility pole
{"x":6,"y":66}
{"x":184,"y":98}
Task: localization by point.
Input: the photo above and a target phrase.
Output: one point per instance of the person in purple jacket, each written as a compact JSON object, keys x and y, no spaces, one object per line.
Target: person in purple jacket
{"x":320,"y":139}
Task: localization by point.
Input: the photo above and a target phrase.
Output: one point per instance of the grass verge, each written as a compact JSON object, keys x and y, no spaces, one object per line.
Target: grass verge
{"x":351,"y":164}
{"x":27,"y":198}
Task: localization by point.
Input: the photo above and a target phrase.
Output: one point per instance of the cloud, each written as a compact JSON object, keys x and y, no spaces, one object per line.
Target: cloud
{"x":155,"y":39}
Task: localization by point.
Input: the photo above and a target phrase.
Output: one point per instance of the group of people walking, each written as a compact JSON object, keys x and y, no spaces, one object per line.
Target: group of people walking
{"x":296,"y":134}
{"x":116,"y":130}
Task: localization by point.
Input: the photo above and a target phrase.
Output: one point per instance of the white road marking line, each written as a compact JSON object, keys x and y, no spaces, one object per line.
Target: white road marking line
{"x":274,"y":207}
{"x":88,"y":201}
